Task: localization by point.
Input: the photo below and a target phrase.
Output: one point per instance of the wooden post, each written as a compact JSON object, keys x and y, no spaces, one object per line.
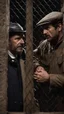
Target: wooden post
{"x":29,"y":94}
{"x":4,"y":22}
{"x":62,"y":10}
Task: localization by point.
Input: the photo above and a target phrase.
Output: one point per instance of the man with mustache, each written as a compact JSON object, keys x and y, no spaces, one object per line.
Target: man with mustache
{"x":16,"y":57}
{"x":49,"y":73}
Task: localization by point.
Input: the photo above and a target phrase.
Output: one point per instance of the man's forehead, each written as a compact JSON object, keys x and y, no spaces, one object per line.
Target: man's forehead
{"x":11,"y":34}
{"x":45,"y":26}
{"x":19,"y":34}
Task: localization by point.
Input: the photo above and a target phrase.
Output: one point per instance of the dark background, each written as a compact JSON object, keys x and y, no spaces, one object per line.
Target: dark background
{"x":40,"y":9}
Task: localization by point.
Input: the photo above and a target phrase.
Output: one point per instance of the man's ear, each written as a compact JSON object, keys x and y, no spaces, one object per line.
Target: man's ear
{"x":59,"y":27}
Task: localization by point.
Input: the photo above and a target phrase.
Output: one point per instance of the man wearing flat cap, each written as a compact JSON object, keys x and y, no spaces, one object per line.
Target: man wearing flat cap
{"x":50,"y":82}
{"x":16,"y":57}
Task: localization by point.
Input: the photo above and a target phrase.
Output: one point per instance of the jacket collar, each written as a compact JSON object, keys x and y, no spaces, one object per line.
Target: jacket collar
{"x":11,"y":55}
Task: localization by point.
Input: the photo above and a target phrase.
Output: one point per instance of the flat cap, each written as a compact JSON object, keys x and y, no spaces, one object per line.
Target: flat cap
{"x":50,"y":18}
{"x":15,"y":27}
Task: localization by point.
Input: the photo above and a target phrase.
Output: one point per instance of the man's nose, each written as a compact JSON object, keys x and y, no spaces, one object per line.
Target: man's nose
{"x":45,"y":31}
{"x":22,"y":41}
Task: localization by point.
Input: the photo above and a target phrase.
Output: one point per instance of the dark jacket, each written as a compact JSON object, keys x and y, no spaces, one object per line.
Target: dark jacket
{"x":50,"y":95}
{"x":15,"y":85}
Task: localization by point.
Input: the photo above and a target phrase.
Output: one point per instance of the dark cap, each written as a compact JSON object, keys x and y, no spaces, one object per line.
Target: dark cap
{"x":50,"y":18}
{"x":16,"y":27}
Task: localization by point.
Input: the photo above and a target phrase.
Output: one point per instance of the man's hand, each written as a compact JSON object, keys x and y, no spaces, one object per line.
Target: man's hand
{"x":41,"y":75}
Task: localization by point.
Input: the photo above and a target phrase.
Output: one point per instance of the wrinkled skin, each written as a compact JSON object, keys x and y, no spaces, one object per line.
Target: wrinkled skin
{"x":16,"y":44}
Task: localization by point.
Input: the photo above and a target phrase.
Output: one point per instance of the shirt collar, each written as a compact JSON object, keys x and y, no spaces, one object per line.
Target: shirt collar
{"x":11,"y":55}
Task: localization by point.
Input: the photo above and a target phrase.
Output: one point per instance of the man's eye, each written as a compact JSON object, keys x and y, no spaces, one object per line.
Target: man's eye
{"x":18,"y":38}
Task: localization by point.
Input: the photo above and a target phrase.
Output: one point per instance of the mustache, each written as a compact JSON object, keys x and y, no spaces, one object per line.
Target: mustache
{"x":46,"y":36}
{"x":22,"y":46}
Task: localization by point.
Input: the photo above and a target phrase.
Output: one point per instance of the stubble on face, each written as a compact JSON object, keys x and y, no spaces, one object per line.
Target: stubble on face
{"x":16,"y":44}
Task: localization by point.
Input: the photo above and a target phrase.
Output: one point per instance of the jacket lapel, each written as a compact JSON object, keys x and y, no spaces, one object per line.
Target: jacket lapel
{"x":22,"y":64}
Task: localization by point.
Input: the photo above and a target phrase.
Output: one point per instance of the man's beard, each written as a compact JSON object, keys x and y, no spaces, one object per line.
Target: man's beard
{"x":54,"y":40}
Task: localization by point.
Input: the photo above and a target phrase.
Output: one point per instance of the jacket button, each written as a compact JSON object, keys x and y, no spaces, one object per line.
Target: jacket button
{"x":15,"y":102}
